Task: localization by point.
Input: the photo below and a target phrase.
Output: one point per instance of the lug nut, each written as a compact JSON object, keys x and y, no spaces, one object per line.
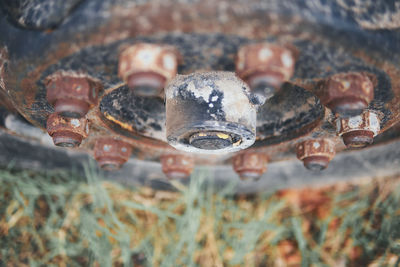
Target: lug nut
{"x":264,"y":67}
{"x":209,"y":112}
{"x":146,"y":68}
{"x":72,"y":96}
{"x":67,"y":132}
{"x":316,"y":154}
{"x":111,"y":153}
{"x":347,"y":94}
{"x":177,"y":166}
{"x":358,"y":131}
{"x":250,"y":165}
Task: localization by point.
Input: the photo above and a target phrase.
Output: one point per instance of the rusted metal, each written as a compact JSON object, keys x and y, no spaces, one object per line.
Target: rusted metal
{"x":4,"y":100}
{"x":72,"y":95}
{"x":358,"y":131}
{"x":3,"y":64}
{"x":250,"y":165}
{"x":41,"y":15}
{"x":264,"y":67}
{"x":208,"y":36}
{"x":177,"y":166}
{"x":146,"y":67}
{"x":209,"y":112}
{"x":316,"y":153}
{"x":347,"y":94}
{"x":67,"y":132}
{"x":111,"y":153}
{"x":357,"y":166}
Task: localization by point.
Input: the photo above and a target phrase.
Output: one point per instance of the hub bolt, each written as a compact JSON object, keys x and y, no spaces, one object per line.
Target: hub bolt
{"x":67,"y":132}
{"x":358,"y":131}
{"x":347,"y":94}
{"x":264,"y":67}
{"x":111,"y":153}
{"x":250,"y":165}
{"x":177,"y":166}
{"x":316,"y":154}
{"x":146,"y":67}
{"x":72,"y":96}
{"x":209,"y":112}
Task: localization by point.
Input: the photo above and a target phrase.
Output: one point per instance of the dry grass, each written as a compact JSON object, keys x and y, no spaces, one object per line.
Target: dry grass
{"x":59,"y":219}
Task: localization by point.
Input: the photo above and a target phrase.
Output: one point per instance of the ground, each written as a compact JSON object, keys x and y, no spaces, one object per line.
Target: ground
{"x":62,"y":219}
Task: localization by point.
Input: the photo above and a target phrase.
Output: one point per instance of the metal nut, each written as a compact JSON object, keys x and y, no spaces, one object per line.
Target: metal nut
{"x":209,"y":112}
{"x":147,"y":67}
{"x":111,"y":153}
{"x":177,"y":166}
{"x":347,"y":94}
{"x":250,"y":165}
{"x":72,"y":96}
{"x":358,"y":131}
{"x":316,"y":154}
{"x":264,"y":67}
{"x":67,"y":132}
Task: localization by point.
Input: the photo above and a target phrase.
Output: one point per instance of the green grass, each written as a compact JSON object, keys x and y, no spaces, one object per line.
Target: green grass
{"x":61,"y":219}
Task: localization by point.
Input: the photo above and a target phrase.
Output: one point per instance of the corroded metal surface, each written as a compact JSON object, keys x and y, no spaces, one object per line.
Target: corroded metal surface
{"x":347,"y":94}
{"x":209,"y":112}
{"x":330,"y":37}
{"x":38,"y":14}
{"x":250,"y":165}
{"x":316,"y":153}
{"x":146,"y":68}
{"x":374,"y":161}
{"x":358,"y":131}
{"x":4,"y":101}
{"x":67,"y":132}
{"x":264,"y":67}
{"x":111,"y":153}
{"x":177,"y":166}
{"x":72,"y":94}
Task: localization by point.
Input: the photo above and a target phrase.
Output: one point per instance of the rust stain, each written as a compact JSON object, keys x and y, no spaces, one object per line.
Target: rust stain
{"x":120,"y":123}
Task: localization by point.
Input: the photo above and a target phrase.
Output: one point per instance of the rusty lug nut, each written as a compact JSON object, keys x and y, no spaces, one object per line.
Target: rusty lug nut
{"x":111,"y":153}
{"x":347,"y":94}
{"x":146,"y":68}
{"x":316,"y":154}
{"x":71,"y":96}
{"x":264,"y":67}
{"x":67,"y":132}
{"x":177,"y":166}
{"x":250,"y":165}
{"x":358,"y":131}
